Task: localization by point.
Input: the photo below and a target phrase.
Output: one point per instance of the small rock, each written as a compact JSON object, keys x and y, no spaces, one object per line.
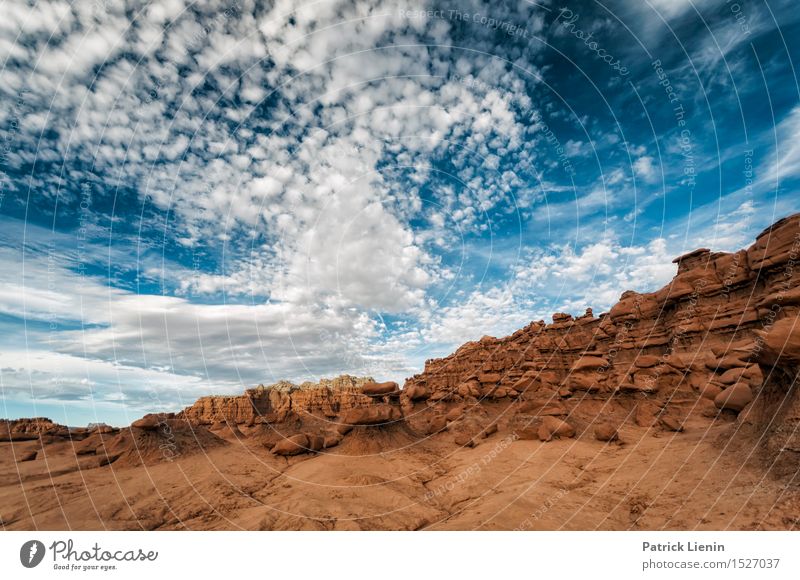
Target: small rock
{"x":28,"y":456}
{"x":606,"y":431}
{"x":380,"y":389}
{"x":437,"y":425}
{"x":734,"y":398}
{"x":293,"y":445}
{"x":671,"y":424}
{"x":553,"y":428}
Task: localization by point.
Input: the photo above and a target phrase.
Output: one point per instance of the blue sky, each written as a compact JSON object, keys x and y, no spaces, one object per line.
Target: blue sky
{"x":199,"y":197}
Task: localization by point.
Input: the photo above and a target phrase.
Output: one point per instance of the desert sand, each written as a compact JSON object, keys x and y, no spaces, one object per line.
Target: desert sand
{"x":382,"y":481}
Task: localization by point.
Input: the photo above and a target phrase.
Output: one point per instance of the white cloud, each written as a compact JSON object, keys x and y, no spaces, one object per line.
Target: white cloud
{"x":84,"y":339}
{"x":786,"y":161}
{"x":643,"y":167}
{"x":561,"y":279}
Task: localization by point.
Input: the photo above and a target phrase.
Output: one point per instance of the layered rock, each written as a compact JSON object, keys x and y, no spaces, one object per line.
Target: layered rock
{"x":688,"y":347}
{"x":277,"y":403}
{"x":719,"y":342}
{"x":30,"y":429}
{"x":772,"y":420}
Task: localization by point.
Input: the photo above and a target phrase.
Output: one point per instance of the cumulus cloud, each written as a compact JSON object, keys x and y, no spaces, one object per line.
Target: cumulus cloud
{"x":84,"y":338}
{"x":644,"y":168}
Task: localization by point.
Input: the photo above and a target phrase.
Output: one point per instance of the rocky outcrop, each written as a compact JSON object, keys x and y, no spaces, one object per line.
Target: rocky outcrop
{"x":279,"y":402}
{"x":662,"y":355}
{"x":719,"y":342}
{"x":773,"y":419}
{"x":30,"y":429}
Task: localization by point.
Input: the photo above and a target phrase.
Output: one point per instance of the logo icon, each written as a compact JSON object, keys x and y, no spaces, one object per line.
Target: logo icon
{"x":31,"y":553}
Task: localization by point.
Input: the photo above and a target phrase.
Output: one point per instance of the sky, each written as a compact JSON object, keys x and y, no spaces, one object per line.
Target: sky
{"x":198,"y":197}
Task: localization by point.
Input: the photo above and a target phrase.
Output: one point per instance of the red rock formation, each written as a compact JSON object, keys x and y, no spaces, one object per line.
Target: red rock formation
{"x":29,"y":429}
{"x":657,"y":353}
{"x":692,"y":348}
{"x":276,"y":403}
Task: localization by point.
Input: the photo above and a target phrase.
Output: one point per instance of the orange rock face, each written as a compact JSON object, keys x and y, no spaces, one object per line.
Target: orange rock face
{"x":29,"y":429}
{"x":699,"y":347}
{"x":276,"y":403}
{"x":697,"y":337}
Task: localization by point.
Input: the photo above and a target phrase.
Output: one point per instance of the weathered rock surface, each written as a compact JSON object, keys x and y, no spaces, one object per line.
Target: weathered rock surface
{"x":281,"y":401}
{"x":30,"y":429}
{"x":700,"y":347}
{"x":606,"y":431}
{"x":292,"y":445}
{"x":553,"y":428}
{"x":655,"y":358}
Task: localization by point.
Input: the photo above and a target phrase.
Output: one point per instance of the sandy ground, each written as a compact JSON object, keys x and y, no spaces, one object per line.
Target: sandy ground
{"x":379,"y":480}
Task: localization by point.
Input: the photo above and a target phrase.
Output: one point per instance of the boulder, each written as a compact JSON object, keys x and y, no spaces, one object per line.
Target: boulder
{"x":606,"y":431}
{"x":87,"y":447}
{"x":331,"y":439}
{"x":27,"y":456}
{"x":647,"y":361}
{"x":589,"y":363}
{"x":469,"y":389}
{"x":293,"y":445}
{"x":734,"y":398}
{"x":731,"y":376}
{"x":489,"y":378}
{"x":710,"y":391}
{"x":373,"y":415}
{"x":552,"y":428}
{"x":729,"y":361}
{"x":645,"y":414}
{"x":437,"y":425}
{"x":464,"y":439}
{"x":455,"y":413}
{"x":528,"y":433}
{"x":107,"y":458}
{"x":416,"y":392}
{"x":380,"y":389}
{"x":149,"y":422}
{"x":780,"y":344}
{"x":670,"y":424}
